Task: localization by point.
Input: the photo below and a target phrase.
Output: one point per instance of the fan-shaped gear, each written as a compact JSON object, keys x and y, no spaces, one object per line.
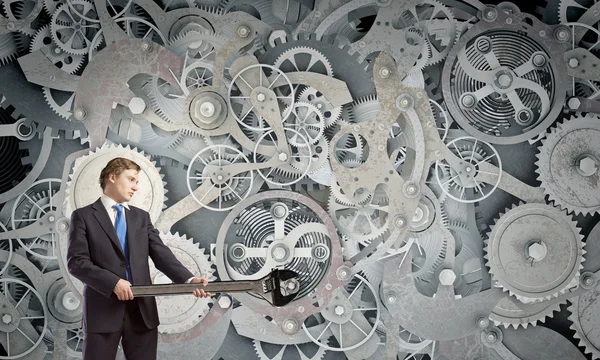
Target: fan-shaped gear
{"x":178,"y":315}
{"x":508,"y":314}
{"x":534,"y":251}
{"x":266,"y":351}
{"x":83,"y":186}
{"x":568,"y":164}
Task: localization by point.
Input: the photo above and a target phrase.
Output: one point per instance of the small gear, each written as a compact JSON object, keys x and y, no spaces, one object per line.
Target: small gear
{"x":331,"y":114}
{"x":83,"y":186}
{"x":534,"y":251}
{"x":307,"y":120}
{"x":584,"y":317}
{"x":178,"y":315}
{"x":568,"y":164}
{"x":68,"y":63}
{"x":70,"y":31}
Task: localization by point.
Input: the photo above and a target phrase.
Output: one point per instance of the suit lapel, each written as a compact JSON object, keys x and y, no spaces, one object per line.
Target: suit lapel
{"x":102,"y":216}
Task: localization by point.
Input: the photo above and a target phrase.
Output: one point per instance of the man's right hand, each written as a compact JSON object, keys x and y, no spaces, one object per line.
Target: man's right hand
{"x":123,"y":290}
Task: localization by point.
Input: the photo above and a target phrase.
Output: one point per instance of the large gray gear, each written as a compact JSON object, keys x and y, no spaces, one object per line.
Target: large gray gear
{"x":282,"y":350}
{"x":180,"y":314}
{"x":508,"y":314}
{"x":534,"y":251}
{"x":584,"y":317}
{"x":8,"y":48}
{"x":304,"y":58}
{"x":568,"y":164}
{"x":83,"y":188}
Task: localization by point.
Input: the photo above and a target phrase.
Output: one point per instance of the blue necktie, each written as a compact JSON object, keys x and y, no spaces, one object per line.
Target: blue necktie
{"x":121,"y":228}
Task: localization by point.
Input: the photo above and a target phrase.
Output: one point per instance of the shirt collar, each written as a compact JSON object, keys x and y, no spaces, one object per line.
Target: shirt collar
{"x":108,"y":202}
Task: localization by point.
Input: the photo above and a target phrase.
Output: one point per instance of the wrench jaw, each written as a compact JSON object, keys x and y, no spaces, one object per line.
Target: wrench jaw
{"x":279,"y":288}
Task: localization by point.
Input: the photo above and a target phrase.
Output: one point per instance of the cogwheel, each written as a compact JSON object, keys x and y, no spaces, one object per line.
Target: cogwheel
{"x":319,"y":154}
{"x":8,"y":48}
{"x":568,"y":164}
{"x":71,"y":32}
{"x":83,"y":186}
{"x":507,"y":314}
{"x":584,"y":317}
{"x":303,"y":58}
{"x":51,"y":5}
{"x":571,"y":10}
{"x":364,"y":221}
{"x":331,"y":114}
{"x":42,"y":40}
{"x":180,"y":314}
{"x":534,"y":251}
{"x":267,"y":351}
{"x":307,"y":120}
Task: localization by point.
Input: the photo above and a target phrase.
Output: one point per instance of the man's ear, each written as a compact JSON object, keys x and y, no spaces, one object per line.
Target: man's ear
{"x":112,"y":178}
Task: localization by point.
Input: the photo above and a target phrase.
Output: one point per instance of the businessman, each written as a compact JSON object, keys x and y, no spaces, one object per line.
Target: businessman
{"x":108,"y":248}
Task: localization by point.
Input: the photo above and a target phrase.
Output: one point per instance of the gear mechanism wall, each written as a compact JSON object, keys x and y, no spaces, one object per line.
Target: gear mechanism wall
{"x":429,"y":168}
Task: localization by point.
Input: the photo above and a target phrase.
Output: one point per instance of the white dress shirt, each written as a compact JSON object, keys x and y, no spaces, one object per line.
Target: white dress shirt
{"x":108,"y":203}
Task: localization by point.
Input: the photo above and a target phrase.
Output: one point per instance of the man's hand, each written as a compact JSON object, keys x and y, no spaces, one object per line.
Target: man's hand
{"x":123,"y":290}
{"x":200,"y":292}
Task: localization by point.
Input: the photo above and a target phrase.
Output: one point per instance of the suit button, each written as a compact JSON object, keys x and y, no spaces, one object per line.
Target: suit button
{"x":122,"y":264}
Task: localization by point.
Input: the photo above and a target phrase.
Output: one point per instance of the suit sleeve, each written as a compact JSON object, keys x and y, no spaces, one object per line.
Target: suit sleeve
{"x":79,"y":263}
{"x":163,"y":257}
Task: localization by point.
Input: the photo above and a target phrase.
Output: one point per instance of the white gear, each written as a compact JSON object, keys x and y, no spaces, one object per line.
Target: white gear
{"x":182,"y":313}
{"x":84,"y":188}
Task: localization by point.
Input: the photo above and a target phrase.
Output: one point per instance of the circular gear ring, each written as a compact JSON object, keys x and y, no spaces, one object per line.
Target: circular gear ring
{"x":584,"y":315}
{"x":178,"y":315}
{"x":84,"y":187}
{"x":569,"y":162}
{"x":535,"y":252}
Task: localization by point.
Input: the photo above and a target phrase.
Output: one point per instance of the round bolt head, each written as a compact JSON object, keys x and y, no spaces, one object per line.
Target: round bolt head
{"x":79,"y":113}
{"x":207,"y":109}
{"x":146,"y":46}
{"x":51,"y":218}
{"x":339,"y":310}
{"x":491,"y":337}
{"x":70,"y":301}
{"x":220,"y":177}
{"x":278,"y":253}
{"x":400,"y":222}
{"x":283,"y":156}
{"x":537,"y":251}
{"x":243,"y":31}
{"x":224,"y":302}
{"x":260,"y":97}
{"x":384,"y":72}
{"x":10,"y":26}
{"x":290,"y":326}
{"x":279,"y":211}
{"x":573,"y":63}
{"x":588,"y":166}
{"x":539,"y":60}
{"x":391,"y":298}
{"x":136,"y":105}
{"x":483,"y":322}
{"x":468,"y":101}
{"x":447,"y":277}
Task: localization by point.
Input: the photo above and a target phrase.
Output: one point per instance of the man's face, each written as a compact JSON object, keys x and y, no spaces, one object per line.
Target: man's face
{"x":124,"y":185}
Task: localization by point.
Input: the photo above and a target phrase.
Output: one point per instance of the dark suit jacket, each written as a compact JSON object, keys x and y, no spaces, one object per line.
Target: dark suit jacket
{"x":94,"y":256}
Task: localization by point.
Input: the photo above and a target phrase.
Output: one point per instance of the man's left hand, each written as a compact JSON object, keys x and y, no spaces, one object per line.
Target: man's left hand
{"x":199,"y":292}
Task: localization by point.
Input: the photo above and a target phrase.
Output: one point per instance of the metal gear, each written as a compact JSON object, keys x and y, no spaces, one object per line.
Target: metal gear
{"x":534,"y":251}
{"x":8,"y":48}
{"x":584,"y":317}
{"x":266,"y":351}
{"x":331,"y":113}
{"x":508,"y":314}
{"x":307,"y":120}
{"x":500,"y":83}
{"x":303,"y":58}
{"x":178,"y":315}
{"x":71,"y":31}
{"x":43,"y":40}
{"x":568,"y":164}
{"x":83,"y":186}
